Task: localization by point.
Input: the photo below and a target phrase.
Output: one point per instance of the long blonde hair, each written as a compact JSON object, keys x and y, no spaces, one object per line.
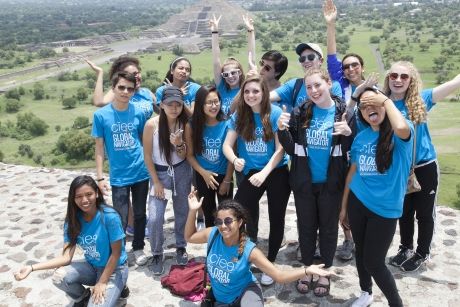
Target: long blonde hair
{"x":412,"y":98}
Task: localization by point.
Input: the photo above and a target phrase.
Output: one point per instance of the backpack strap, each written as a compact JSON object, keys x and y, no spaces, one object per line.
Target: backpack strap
{"x":297,"y":86}
{"x":206,"y":262}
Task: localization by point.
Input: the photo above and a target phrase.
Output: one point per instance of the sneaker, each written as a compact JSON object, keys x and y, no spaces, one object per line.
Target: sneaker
{"x":403,"y":254}
{"x":266,"y":280}
{"x":200,"y":224}
{"x":156,"y":266}
{"x":364,"y":300}
{"x":413,"y":263}
{"x":125,"y":292}
{"x":129,"y":231}
{"x":84,"y":300}
{"x":346,"y":252}
{"x":141,"y":258}
{"x":181,"y":256}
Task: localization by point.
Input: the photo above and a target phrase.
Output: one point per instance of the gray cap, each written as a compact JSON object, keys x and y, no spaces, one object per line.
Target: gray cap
{"x":315,"y":47}
{"x":172,"y":93}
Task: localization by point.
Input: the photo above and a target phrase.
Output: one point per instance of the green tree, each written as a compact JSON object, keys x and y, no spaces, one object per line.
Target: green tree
{"x":76,"y":145}
{"x":82,"y":94}
{"x":12,"y":105}
{"x":21,"y":91}
{"x":46,"y":53}
{"x":2,"y":156}
{"x":39,"y":91}
{"x":25,"y":150}
{"x":177,"y":50}
{"x":374,"y":39}
{"x":28,"y":125}
{"x":13,"y":94}
{"x":81,"y":122}
{"x":69,"y":102}
{"x":266,"y":44}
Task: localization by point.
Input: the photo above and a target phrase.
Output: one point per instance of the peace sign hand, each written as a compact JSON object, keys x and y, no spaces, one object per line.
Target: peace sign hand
{"x":214,"y":23}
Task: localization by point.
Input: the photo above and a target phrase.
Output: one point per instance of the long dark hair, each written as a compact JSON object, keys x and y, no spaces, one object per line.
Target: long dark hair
{"x":199,"y":117}
{"x":360,"y":60}
{"x":173,"y":65}
{"x":240,"y":213}
{"x":384,"y":154}
{"x":73,"y":224}
{"x":121,"y":63}
{"x":245,"y":124}
{"x":163,"y":132}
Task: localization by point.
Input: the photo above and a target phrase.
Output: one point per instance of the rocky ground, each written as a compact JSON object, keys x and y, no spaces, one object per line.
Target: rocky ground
{"x":32,"y":210}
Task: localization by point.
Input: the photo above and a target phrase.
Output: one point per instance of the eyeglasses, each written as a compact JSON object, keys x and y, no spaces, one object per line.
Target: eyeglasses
{"x":311,"y":57}
{"x":351,"y":65}
{"x":123,"y":88}
{"x":215,"y":102}
{"x":231,"y":73}
{"x":265,"y":66}
{"x":394,"y":76}
{"x":227,"y":221}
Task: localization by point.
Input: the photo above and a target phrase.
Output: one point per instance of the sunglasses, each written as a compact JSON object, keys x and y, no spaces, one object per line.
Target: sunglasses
{"x":351,"y":65}
{"x":231,"y":73}
{"x":227,"y":221}
{"x":311,"y":57}
{"x":394,"y":76}
{"x":123,"y":88}
{"x":215,"y":102}
{"x":265,"y":66}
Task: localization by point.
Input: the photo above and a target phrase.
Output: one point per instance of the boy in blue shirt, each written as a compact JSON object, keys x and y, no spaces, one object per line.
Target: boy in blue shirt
{"x":118,"y":129}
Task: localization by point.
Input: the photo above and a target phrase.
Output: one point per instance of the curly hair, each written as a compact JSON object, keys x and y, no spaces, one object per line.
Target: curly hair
{"x":306,"y":119}
{"x":245,"y":124}
{"x":121,"y":63}
{"x":413,"y":100}
{"x":234,"y":62}
{"x":240,"y":213}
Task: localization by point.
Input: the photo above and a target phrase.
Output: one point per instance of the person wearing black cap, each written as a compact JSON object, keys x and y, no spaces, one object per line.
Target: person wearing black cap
{"x":293,"y":93}
{"x":170,"y":174}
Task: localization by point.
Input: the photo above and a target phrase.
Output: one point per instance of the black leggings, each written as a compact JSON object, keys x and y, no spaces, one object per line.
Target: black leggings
{"x":278,"y":191}
{"x":372,"y":234}
{"x":209,"y":197}
{"x":421,"y":204}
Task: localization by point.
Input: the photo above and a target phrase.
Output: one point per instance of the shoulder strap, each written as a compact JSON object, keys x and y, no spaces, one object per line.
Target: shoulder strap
{"x":206,"y":262}
{"x":297,"y":86}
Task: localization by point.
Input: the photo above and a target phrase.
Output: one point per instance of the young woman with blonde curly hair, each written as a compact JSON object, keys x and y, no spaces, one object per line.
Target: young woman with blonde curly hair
{"x":404,"y":86}
{"x":231,"y":254}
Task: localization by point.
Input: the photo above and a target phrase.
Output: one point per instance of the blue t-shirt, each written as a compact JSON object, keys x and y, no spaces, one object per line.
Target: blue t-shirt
{"x":424,"y":150}
{"x":384,"y":193}
{"x":143,"y":99}
{"x":192,"y":88}
{"x":229,"y":275}
{"x":226,"y":96}
{"x":286,"y":91}
{"x":212,"y":158}
{"x":257,"y":153}
{"x":319,"y":141}
{"x":96,"y":236}
{"x":122,"y":133}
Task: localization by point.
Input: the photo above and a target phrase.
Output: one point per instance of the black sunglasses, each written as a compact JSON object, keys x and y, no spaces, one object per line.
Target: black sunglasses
{"x":393,"y":76}
{"x":123,"y":88}
{"x":227,"y":221}
{"x":311,"y":57}
{"x":351,"y":65}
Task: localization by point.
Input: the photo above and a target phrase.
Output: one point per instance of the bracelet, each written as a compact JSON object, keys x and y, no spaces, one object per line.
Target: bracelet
{"x":234,"y":160}
{"x":305,"y":268}
{"x":214,"y":32}
{"x":32,"y":267}
{"x":100,"y":179}
{"x":225,"y":181}
{"x":383,"y":103}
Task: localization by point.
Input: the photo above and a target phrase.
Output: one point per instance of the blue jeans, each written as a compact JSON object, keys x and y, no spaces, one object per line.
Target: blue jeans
{"x":120,"y":200}
{"x":71,"y":279}
{"x":182,"y":183}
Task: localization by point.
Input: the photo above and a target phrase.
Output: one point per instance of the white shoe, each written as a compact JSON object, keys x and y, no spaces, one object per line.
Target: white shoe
{"x":141,"y":258}
{"x":364,"y":300}
{"x":266,"y":280}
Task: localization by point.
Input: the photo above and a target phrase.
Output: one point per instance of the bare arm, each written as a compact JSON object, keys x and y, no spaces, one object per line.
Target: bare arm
{"x":111,"y":265}
{"x":214,"y":25}
{"x":274,"y":96}
{"x":99,"y":156}
{"x":147,"y":140}
{"x":330,"y":15}
{"x":99,"y":99}
{"x":190,"y":233}
{"x":56,"y":262}
{"x":249,"y":23}
{"x":442,"y":91}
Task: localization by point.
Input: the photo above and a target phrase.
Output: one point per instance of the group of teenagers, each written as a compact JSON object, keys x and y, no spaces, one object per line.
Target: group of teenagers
{"x":341,"y":144}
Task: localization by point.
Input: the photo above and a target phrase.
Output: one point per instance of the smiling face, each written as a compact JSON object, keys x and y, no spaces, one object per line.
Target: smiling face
{"x":181,"y":72}
{"x":233,"y":74}
{"x":211,"y":106}
{"x":373,"y":115}
{"x":123,"y":90}
{"x":132,"y":69}
{"x":352,"y":69}
{"x":85,"y":199}
{"x":230,"y":231}
{"x":252,"y":94}
{"x":399,"y":78}
{"x":318,"y":89}
{"x":310,"y":54}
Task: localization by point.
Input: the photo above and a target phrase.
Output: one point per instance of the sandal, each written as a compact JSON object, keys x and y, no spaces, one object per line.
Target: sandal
{"x":302,"y":284}
{"x":322,"y":286}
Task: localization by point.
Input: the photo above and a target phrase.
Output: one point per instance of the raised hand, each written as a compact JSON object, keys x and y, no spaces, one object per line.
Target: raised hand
{"x":342,"y":127}
{"x":248,"y":22}
{"x":214,"y":23}
{"x":94,"y":67}
{"x":193,"y":202}
{"x":371,"y":81}
{"x":283,"y":120}
{"x":329,"y":11}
